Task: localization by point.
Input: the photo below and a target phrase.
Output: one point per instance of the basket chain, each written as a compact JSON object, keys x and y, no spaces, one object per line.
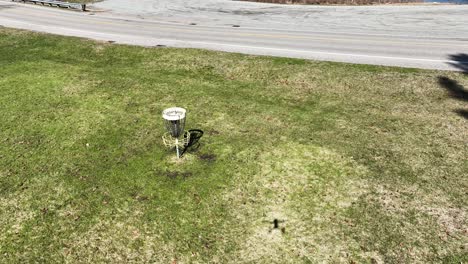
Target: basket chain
{"x":169,"y":141}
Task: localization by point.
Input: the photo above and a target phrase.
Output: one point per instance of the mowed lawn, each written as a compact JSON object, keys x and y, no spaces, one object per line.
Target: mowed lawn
{"x":301,"y":161}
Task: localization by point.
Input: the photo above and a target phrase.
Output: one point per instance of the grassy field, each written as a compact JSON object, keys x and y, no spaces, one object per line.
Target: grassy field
{"x":301,"y":161}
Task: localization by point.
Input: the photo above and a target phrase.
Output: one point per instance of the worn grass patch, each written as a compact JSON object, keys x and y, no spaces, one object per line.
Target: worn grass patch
{"x":301,"y":161}
{"x":290,"y":202}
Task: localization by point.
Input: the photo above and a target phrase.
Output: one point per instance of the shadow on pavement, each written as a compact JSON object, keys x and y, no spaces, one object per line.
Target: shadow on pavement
{"x":455,"y":91}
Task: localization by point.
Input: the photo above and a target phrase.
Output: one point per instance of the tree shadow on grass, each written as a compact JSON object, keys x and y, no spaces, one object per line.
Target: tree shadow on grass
{"x":463,"y":113}
{"x":455,"y":91}
{"x":460,"y":61}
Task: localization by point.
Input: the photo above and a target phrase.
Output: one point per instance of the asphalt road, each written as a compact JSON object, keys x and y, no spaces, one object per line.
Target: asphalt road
{"x":430,"y":51}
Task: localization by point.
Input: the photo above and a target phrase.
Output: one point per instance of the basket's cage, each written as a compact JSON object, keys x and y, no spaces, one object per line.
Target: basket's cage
{"x":174,"y":121}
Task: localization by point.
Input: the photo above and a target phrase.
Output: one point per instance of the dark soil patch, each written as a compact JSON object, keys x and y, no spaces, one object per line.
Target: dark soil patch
{"x":172,"y":174}
{"x":142,"y":198}
{"x":186,"y":175}
{"x":207,"y":157}
{"x":213,"y":132}
{"x":176,"y":174}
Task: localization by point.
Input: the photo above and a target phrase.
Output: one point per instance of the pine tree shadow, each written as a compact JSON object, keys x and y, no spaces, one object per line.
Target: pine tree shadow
{"x":460,"y":61}
{"x":455,"y":91}
{"x":463,"y":113}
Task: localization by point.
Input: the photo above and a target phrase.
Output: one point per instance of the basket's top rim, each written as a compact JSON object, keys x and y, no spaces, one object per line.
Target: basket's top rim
{"x":174,"y":113}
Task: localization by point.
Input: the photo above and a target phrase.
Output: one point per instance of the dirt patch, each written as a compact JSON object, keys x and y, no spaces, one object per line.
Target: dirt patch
{"x":176,"y":174}
{"x":213,"y":132}
{"x":140,"y":198}
{"x":207,"y":157}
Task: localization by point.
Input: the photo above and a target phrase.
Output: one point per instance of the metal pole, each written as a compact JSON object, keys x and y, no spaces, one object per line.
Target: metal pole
{"x":177,"y":146}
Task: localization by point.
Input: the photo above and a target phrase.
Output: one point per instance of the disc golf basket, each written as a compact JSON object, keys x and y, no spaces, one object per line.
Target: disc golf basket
{"x":174,"y":121}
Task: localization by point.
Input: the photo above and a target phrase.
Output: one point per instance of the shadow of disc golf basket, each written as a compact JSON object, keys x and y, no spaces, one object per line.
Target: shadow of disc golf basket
{"x":194,"y":136}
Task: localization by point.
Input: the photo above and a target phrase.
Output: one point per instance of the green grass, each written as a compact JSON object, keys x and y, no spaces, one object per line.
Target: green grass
{"x":358,"y":164}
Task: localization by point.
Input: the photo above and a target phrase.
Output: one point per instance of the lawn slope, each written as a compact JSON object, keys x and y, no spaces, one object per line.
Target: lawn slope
{"x":301,"y":161}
